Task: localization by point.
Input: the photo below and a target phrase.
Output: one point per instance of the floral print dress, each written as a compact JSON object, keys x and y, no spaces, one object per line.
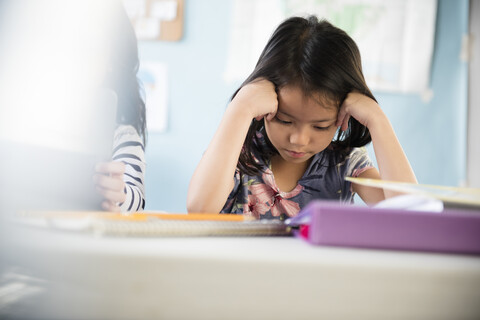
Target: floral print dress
{"x":260,"y":197}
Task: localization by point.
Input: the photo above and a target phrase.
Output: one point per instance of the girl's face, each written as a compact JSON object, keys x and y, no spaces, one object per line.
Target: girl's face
{"x":302,"y":127}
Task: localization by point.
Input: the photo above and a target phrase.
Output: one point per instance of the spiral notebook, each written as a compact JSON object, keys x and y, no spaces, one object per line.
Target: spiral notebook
{"x":154,"y":224}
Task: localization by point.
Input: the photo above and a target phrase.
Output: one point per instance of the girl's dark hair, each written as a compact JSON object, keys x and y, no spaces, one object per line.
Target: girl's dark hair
{"x":122,"y":75}
{"x":319,"y":58}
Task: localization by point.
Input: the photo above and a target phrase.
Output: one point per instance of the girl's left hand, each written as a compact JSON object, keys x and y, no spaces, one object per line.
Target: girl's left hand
{"x":109,"y":183}
{"x":359,"y":106}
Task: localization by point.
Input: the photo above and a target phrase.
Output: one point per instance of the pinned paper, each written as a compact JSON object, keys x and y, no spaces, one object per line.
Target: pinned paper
{"x":154,"y":79}
{"x":148,"y":28}
{"x":156,"y":19}
{"x":135,"y":8}
{"x":164,"y":10}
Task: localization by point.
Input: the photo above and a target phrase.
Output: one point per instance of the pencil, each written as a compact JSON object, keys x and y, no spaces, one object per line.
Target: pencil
{"x":136,"y":216}
{"x":189,"y":216}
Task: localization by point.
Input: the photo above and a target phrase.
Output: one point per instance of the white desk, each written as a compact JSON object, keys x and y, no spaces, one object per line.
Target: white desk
{"x":78,"y":276}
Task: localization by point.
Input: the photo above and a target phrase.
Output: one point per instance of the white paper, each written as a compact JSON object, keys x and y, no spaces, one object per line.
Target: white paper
{"x":165,"y":10}
{"x":135,"y":8}
{"x":147,"y":28}
{"x":412,"y":202}
{"x":155,"y":81}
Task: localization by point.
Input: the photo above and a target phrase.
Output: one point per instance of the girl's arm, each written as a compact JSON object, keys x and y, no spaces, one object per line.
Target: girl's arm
{"x":121,"y":182}
{"x":392,"y":162}
{"x":212,"y":180}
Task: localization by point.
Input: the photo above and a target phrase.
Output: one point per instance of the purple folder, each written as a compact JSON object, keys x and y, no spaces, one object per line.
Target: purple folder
{"x":333,"y":224}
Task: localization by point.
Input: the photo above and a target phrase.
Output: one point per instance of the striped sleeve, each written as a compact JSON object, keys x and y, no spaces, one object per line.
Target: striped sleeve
{"x":129,"y":149}
{"x":358,"y":162}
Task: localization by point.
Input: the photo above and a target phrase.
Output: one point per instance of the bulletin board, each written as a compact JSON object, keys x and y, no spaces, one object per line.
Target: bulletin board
{"x":157,"y":20}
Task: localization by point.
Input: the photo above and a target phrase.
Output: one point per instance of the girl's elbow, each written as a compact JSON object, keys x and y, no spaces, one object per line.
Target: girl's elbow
{"x":192,"y":205}
{"x":195,"y":205}
{"x":202,"y":199}
{"x":201,"y":208}
{"x":194,"y":200}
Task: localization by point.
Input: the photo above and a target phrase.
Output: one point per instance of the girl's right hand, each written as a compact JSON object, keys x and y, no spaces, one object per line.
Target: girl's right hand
{"x":259,"y":98}
{"x":109,"y":183}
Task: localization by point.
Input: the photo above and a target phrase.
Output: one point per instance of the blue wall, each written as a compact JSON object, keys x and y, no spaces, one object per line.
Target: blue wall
{"x":433,"y":134}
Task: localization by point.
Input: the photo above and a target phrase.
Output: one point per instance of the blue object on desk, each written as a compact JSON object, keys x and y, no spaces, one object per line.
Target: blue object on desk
{"x":334,"y":224}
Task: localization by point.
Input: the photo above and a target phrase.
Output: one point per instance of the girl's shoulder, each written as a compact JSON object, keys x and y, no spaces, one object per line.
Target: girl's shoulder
{"x":331,"y":159}
{"x":123,"y":132}
{"x":126,"y":129}
{"x":127,"y":135}
{"x":357,"y":159}
{"x":339,"y":156}
{"x":358,"y":152}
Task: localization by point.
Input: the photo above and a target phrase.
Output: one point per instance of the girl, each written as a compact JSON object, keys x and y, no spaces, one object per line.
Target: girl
{"x":121,"y":181}
{"x":296,"y":128}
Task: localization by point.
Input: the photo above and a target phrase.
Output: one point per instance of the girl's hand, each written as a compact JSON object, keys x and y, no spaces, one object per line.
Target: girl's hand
{"x":361,"y":107}
{"x":258,"y":98}
{"x":109,"y":183}
{"x":392,"y":162}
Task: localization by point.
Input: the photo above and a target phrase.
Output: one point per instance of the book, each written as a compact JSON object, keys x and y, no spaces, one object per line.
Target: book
{"x":451,"y":196}
{"x":334,"y":224}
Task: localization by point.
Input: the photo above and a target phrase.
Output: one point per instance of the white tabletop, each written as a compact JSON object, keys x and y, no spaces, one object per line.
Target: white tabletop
{"x":58,"y":275}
